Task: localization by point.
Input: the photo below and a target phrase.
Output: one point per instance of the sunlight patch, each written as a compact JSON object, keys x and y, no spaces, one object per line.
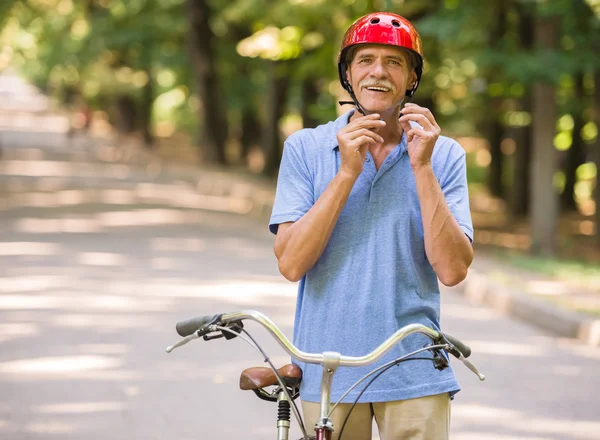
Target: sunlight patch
{"x":28,"y":248}
{"x":101,"y":259}
{"x":58,"y":365}
{"x":80,"y":407}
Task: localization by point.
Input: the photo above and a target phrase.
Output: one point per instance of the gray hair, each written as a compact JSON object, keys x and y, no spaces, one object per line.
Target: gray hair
{"x":413,"y":61}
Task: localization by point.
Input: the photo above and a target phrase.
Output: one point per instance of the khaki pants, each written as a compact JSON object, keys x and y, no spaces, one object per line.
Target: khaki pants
{"x":425,"y":418}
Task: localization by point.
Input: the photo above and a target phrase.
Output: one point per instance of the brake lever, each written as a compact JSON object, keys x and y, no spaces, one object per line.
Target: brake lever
{"x":202,"y":331}
{"x":184,"y":341}
{"x":470,"y":366}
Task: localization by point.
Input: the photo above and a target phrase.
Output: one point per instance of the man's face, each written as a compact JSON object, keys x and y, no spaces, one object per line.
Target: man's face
{"x":380,"y":76}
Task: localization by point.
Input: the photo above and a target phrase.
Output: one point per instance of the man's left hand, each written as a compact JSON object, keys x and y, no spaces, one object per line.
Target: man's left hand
{"x":420,"y":140}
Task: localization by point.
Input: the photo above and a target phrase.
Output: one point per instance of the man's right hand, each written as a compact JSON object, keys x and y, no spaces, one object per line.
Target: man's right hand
{"x":354,"y":140}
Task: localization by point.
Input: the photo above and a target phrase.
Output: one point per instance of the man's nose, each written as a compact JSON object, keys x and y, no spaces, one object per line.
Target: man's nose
{"x":378,"y":69}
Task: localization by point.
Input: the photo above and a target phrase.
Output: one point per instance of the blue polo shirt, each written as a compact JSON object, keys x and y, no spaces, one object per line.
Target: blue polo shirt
{"x":373,"y":276}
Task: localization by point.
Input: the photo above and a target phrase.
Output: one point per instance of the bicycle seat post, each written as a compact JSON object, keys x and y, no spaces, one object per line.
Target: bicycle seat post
{"x":283,"y":416}
{"x":331,"y":361}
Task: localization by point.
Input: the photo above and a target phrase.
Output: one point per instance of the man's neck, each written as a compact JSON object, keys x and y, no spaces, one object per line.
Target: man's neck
{"x":392,"y":132}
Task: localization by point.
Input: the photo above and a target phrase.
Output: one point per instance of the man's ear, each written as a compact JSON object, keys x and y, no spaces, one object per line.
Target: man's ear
{"x":413,"y":80}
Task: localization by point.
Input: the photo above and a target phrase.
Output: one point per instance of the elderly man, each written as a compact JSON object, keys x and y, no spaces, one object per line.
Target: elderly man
{"x":371,"y":210}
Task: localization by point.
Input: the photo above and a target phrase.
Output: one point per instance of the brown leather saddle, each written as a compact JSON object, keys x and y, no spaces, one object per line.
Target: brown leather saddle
{"x":258,"y":378}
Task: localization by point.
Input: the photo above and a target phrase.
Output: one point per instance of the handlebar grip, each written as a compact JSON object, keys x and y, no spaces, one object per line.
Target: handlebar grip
{"x":463,"y":348}
{"x":189,"y":326}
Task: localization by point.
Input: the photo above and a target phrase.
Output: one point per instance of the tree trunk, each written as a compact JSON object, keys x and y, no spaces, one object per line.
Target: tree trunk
{"x":495,"y":128}
{"x":575,"y":156}
{"x":213,"y":136}
{"x":310,"y":94}
{"x":520,"y":194}
{"x":146,"y":110}
{"x":495,"y":135}
{"x":147,"y":96}
{"x":126,"y":114}
{"x":521,"y":188}
{"x":544,"y":206}
{"x":276,"y":99}
{"x":250,"y":127}
{"x":250,"y":130}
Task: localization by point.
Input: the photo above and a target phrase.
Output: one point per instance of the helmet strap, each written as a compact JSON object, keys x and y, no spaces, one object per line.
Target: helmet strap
{"x":346,"y":85}
{"x":354,"y":101}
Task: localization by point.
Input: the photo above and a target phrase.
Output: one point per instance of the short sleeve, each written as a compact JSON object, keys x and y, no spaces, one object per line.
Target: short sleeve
{"x":456,"y":193}
{"x":295,"y":191}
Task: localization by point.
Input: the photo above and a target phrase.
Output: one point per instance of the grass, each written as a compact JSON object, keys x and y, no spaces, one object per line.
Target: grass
{"x":581,"y":277}
{"x":579,"y":272}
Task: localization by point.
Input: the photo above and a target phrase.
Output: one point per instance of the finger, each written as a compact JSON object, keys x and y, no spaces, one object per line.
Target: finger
{"x":419,"y":119}
{"x":359,"y":142}
{"x":405,"y":125}
{"x":418,"y":131}
{"x":373,"y":126}
{"x":411,"y":108}
{"x":365,"y":132}
{"x":365,"y":123}
{"x":425,"y":113}
{"x":370,"y":117}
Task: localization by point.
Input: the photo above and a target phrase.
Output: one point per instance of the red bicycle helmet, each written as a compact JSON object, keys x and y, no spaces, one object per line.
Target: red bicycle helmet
{"x":381,"y":28}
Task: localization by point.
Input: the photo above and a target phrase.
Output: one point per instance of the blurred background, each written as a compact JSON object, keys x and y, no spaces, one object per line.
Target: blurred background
{"x":139,"y":147}
{"x":516,"y":82}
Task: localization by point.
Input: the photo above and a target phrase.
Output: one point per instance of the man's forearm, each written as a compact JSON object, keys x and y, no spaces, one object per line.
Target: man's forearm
{"x":301,"y":244}
{"x":447,"y":247}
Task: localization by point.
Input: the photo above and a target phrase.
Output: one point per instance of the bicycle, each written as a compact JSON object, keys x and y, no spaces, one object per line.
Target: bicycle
{"x":286,"y":380}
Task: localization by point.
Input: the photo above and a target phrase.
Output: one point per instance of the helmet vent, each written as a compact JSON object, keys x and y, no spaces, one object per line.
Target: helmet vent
{"x":395,"y":23}
{"x":375,"y":20}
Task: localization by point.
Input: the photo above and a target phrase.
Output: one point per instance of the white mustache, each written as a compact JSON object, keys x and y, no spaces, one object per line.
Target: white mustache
{"x":377,"y":83}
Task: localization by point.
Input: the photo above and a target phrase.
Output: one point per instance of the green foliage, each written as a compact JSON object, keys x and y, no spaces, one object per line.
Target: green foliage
{"x":105,"y":47}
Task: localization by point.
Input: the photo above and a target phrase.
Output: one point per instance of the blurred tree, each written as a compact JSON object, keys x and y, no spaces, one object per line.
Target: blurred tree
{"x":544,"y":209}
{"x":109,"y":51}
{"x":214,"y":128}
{"x":277,"y":93}
{"x":242,"y":95}
{"x":575,"y":156}
{"x":596,"y":151}
{"x":263,"y":68}
{"x":493,"y":107}
{"x":6,"y":7}
{"x":148,"y":96}
{"x":580,"y":29}
{"x":519,"y":200}
{"x":310,"y":95}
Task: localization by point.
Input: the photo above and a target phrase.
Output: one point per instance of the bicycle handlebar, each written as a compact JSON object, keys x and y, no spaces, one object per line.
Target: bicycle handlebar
{"x":231,"y":323}
{"x":463,"y":349}
{"x":189,"y":326}
{"x":202,"y":324}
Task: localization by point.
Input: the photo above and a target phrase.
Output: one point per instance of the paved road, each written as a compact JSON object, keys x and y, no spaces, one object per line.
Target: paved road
{"x":97,"y":263}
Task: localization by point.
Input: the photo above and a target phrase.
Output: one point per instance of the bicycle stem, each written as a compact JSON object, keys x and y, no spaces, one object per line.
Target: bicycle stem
{"x":330,"y":364}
